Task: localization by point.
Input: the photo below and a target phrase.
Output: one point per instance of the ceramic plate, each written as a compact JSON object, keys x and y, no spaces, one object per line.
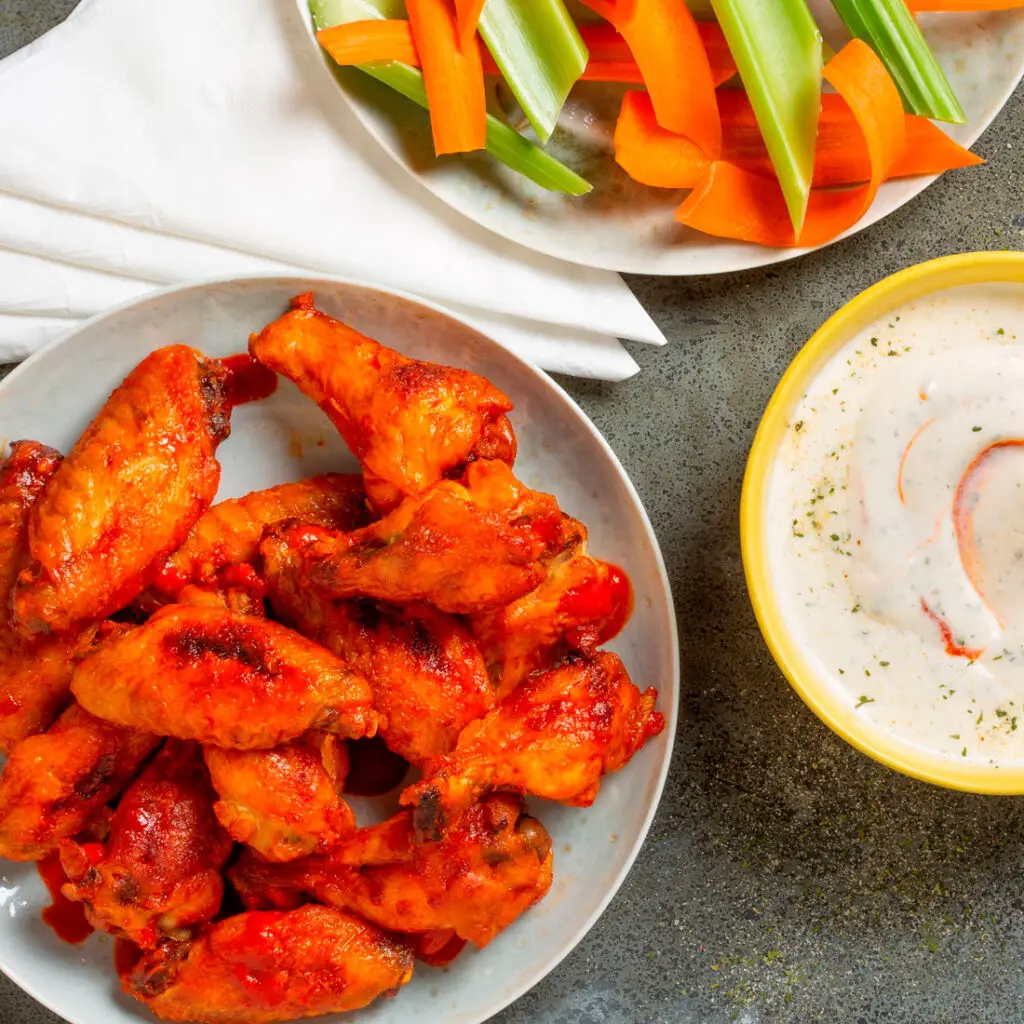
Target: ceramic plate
{"x":628,"y":227}
{"x":54,"y":395}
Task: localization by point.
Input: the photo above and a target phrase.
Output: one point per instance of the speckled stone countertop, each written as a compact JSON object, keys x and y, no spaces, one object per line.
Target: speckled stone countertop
{"x":787,"y":878}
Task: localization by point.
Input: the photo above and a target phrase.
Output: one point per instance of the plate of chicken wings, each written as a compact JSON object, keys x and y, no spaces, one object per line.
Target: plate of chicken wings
{"x":340,"y":664}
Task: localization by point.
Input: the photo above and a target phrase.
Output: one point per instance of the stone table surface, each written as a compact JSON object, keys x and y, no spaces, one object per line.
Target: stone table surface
{"x":786,"y":877}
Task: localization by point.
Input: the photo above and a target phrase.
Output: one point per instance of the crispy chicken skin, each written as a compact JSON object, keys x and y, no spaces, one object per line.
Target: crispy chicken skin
{"x":261,"y":967}
{"x":53,"y":783}
{"x":408,"y":422}
{"x":204,"y":673}
{"x":463,"y":547}
{"x":285,"y":802}
{"x":582,"y":604}
{"x":427,"y":674}
{"x":158,"y":875}
{"x":128,"y":494}
{"x":229,"y":533}
{"x":476,"y":881}
{"x":553,"y":737}
{"x":34,"y":675}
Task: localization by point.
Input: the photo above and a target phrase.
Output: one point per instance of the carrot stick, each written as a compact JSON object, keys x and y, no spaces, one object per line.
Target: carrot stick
{"x":964,"y":6}
{"x":667,"y":46}
{"x":649,"y":153}
{"x":369,"y":42}
{"x":841,"y":156}
{"x":453,"y":76}
{"x":612,"y":61}
{"x":467,"y":14}
{"x":732,"y":202}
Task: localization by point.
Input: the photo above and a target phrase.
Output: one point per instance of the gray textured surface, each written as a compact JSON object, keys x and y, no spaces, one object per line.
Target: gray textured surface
{"x":787,"y":878}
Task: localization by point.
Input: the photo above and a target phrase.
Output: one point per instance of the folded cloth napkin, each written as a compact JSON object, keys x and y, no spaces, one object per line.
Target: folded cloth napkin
{"x":147,"y":144}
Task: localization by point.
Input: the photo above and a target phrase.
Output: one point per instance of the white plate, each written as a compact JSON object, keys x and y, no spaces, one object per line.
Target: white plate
{"x":53,"y":396}
{"x":628,"y":227}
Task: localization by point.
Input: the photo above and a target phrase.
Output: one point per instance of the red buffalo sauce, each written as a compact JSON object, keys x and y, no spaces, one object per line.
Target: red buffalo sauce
{"x":603,"y":600}
{"x":248,"y":381}
{"x":66,"y":917}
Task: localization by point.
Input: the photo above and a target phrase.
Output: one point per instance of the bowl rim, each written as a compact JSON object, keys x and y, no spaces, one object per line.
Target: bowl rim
{"x":669,"y":687}
{"x":895,"y":290}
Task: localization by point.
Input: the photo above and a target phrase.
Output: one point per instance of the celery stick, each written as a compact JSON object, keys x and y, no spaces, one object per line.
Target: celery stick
{"x":777,"y":49}
{"x":539,"y":53}
{"x":503,"y":143}
{"x":888,"y":27}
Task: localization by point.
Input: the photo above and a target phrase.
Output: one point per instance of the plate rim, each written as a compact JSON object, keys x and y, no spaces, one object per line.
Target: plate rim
{"x":674,"y":684}
{"x":760,"y":256}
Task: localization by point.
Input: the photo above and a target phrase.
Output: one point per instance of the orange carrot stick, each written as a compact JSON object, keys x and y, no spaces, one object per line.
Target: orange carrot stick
{"x":453,"y":76}
{"x":649,"y":153}
{"x":731,"y":202}
{"x":964,"y":6}
{"x":368,"y":42}
{"x":667,"y":46}
{"x":612,"y":61}
{"x":467,"y":15}
{"x":841,"y":156}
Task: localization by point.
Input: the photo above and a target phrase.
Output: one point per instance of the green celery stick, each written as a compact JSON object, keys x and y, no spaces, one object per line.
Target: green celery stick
{"x":777,"y":49}
{"x":888,"y":27}
{"x":539,"y":52}
{"x":503,"y":142}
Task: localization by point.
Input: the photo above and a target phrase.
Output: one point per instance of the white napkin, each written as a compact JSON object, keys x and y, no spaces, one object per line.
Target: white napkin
{"x":144,"y":144}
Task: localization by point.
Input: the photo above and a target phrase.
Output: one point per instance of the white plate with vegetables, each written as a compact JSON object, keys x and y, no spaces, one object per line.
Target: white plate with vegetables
{"x":612,"y":187}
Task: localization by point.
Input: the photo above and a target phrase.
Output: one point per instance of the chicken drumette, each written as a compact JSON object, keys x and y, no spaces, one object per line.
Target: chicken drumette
{"x":464,"y":547}
{"x":127,"y":495}
{"x":266,"y":966}
{"x":475,"y":882}
{"x":427,"y":675}
{"x":285,"y":802}
{"x":408,"y":422}
{"x":158,"y":875}
{"x":229,"y":533}
{"x":205,"y":673}
{"x":55,"y":782}
{"x":553,"y":737}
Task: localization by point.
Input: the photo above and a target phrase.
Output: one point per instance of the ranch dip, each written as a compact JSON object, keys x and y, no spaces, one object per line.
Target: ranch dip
{"x":896,"y":523}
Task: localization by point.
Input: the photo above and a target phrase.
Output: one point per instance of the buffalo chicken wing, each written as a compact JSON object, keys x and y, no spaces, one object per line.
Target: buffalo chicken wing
{"x":159,"y":873}
{"x":204,"y":673}
{"x":476,"y":881}
{"x":464,"y":547}
{"x":55,"y":782}
{"x":285,"y":802}
{"x":266,"y":966}
{"x":428,"y":678}
{"x":408,"y":422}
{"x":127,"y":495}
{"x":553,"y":737}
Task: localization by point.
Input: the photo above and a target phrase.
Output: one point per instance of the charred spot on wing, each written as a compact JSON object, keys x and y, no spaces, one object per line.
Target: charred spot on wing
{"x":429,"y":818}
{"x":213,"y":390}
{"x":99,"y":775}
{"x":234,"y":642}
{"x":156,"y":972}
{"x":126,"y":890}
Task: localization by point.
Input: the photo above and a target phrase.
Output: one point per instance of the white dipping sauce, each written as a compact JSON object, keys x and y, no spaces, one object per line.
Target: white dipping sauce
{"x":896,"y":523}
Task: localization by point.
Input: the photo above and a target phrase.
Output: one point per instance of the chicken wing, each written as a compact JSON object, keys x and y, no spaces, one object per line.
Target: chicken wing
{"x":553,"y":737}
{"x":34,"y":675}
{"x":582,"y":604}
{"x":261,"y":967}
{"x":229,"y":533}
{"x":159,"y":874}
{"x":203,"y":673}
{"x":53,"y":783}
{"x":462,"y":547}
{"x":284,"y":802}
{"x":476,"y":881}
{"x":427,"y":675}
{"x":127,"y":495}
{"x":409,"y":422}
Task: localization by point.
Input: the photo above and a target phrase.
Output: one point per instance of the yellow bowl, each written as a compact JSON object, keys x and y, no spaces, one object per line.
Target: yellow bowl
{"x":826,"y":703}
